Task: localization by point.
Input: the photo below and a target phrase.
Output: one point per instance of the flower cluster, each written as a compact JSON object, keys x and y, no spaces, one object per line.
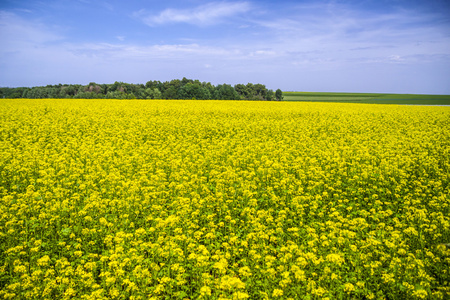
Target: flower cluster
{"x":104,"y":199}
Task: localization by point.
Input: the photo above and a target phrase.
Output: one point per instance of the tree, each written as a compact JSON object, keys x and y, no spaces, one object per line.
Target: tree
{"x":279,"y":95}
{"x":270,"y":95}
{"x":157,"y":94}
{"x":155,"y":84}
{"x":116,"y":95}
{"x":68,"y":91}
{"x":193,"y":91}
{"x":243,"y":91}
{"x":254,"y":91}
{"x":151,"y":93}
{"x":260,"y":90}
{"x":208,"y":86}
{"x":174,"y":89}
{"x":117,"y":86}
{"x":226,"y":92}
{"x":185,"y":81}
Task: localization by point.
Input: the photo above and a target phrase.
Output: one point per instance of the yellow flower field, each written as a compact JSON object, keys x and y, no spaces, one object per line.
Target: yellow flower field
{"x":107,"y":199}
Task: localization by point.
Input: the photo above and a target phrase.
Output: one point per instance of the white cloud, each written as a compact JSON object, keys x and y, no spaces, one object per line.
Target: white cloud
{"x":396,"y":58}
{"x":207,"y":14}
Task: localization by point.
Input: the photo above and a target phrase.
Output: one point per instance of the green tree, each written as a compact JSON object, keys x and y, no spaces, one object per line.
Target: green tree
{"x":270,"y":95}
{"x":279,"y":95}
{"x":157,"y":94}
{"x":193,"y":91}
{"x":151,"y":93}
{"x":174,"y":89}
{"x":211,"y":88}
{"x":226,"y":92}
{"x":68,"y":91}
{"x":243,"y":91}
{"x":117,"y":86}
{"x":260,"y":91}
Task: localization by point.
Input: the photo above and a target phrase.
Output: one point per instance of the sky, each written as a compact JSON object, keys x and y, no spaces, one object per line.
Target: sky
{"x":397,"y":46}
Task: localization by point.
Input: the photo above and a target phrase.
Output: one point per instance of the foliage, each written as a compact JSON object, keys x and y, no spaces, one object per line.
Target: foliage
{"x":279,"y":95}
{"x":174,"y":89}
{"x":226,"y":92}
{"x":193,"y":91}
{"x":159,"y":199}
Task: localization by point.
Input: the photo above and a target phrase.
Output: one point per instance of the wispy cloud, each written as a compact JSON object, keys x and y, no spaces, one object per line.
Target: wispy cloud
{"x":344,"y":31}
{"x":18,"y":31}
{"x":207,"y":14}
{"x":146,"y":53}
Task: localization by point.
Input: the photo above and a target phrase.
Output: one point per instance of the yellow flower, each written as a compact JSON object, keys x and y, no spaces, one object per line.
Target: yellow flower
{"x":228,"y":283}
{"x":205,"y":291}
{"x":20,"y":269}
{"x":240,"y":295}
{"x":155,"y":196}
{"x":335,"y":258}
{"x":420,"y":294}
{"x":277,"y":293}
{"x":43,"y":261}
{"x":110,"y":280}
{"x":70,"y":292}
{"x":348,"y":287}
{"x":245,"y":271}
{"x":388,"y":278}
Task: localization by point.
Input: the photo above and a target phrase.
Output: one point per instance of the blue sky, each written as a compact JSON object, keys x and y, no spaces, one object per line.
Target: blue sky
{"x":398,"y":46}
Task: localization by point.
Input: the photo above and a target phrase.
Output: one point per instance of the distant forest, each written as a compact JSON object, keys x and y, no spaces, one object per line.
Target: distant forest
{"x":174,"y":89}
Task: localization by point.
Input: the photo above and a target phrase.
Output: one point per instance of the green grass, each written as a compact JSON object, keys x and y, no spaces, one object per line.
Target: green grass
{"x":368,"y":98}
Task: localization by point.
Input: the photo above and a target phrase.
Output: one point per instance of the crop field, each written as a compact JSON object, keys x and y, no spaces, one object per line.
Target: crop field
{"x":372,"y":98}
{"x":160,"y":199}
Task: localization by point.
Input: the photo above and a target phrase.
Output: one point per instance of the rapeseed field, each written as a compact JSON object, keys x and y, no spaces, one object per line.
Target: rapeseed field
{"x":105,"y":199}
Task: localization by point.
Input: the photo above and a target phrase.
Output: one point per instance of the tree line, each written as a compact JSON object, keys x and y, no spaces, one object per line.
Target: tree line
{"x":174,"y":89}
